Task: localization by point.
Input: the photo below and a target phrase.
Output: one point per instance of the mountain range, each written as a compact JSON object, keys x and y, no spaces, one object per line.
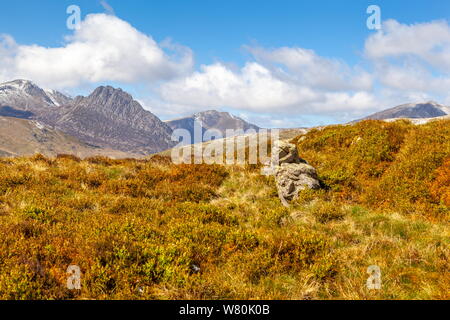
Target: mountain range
{"x":110,"y":122}
{"x":108,"y":118}
{"x":23,"y":99}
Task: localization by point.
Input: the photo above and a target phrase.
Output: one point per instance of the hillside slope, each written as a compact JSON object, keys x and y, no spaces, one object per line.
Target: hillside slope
{"x":20,"y":137}
{"x":148,"y":229}
{"x":388,"y":165}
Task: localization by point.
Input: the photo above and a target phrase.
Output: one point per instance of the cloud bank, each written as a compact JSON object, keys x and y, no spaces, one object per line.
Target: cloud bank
{"x":413,"y":60}
{"x":402,"y":63}
{"x":105,"y":48}
{"x":283,"y":80}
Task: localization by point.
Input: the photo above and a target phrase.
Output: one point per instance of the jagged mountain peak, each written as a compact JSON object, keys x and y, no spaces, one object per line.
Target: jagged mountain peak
{"x":114,"y":102}
{"x":211,"y":112}
{"x":23,"y":86}
{"x":110,"y":117}
{"x":25,"y":95}
{"x":218,"y":120}
{"x":109,"y":91}
{"x":18,"y":83}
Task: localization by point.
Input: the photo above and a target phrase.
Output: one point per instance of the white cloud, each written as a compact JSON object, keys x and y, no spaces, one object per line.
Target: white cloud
{"x":403,"y":63}
{"x":412,"y":77}
{"x":306,"y":67}
{"x":105,"y":48}
{"x":7,"y":47}
{"x":429,"y":42}
{"x":412,"y":59}
{"x":253,"y":87}
{"x":306,"y":83}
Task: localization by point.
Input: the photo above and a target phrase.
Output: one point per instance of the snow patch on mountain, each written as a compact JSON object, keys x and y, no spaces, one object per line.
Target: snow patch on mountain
{"x":27,"y":95}
{"x":38,"y":125}
{"x":51,"y":94}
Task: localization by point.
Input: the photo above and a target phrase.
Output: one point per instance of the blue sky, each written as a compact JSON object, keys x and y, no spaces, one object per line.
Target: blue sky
{"x":220,"y":33}
{"x":216,"y":29}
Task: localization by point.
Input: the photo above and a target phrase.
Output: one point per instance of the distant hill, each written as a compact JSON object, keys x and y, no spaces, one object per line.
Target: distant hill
{"x":412,"y":110}
{"x":212,"y":119}
{"x":21,"y":137}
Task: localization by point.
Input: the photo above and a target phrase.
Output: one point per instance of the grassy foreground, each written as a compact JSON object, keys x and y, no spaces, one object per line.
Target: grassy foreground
{"x":148,"y":229}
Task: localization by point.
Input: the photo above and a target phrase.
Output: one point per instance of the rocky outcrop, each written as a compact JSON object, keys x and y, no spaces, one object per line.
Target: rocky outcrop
{"x":285,"y":152}
{"x":293,"y":177}
{"x":292,"y":174}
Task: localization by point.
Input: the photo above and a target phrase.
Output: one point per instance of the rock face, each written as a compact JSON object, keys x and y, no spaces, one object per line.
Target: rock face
{"x":111,"y":118}
{"x":293,"y":177}
{"x":292,"y":174}
{"x":285,"y":152}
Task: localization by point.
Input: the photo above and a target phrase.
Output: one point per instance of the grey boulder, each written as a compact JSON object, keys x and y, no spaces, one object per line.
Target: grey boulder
{"x":292,"y":174}
{"x":294,"y":177}
{"x":285,"y":152}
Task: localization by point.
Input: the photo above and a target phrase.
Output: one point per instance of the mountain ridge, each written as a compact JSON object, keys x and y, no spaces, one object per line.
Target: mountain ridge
{"x":108,"y":117}
{"x":25,"y":96}
{"x":111,"y":118}
{"x":428,"y":109}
